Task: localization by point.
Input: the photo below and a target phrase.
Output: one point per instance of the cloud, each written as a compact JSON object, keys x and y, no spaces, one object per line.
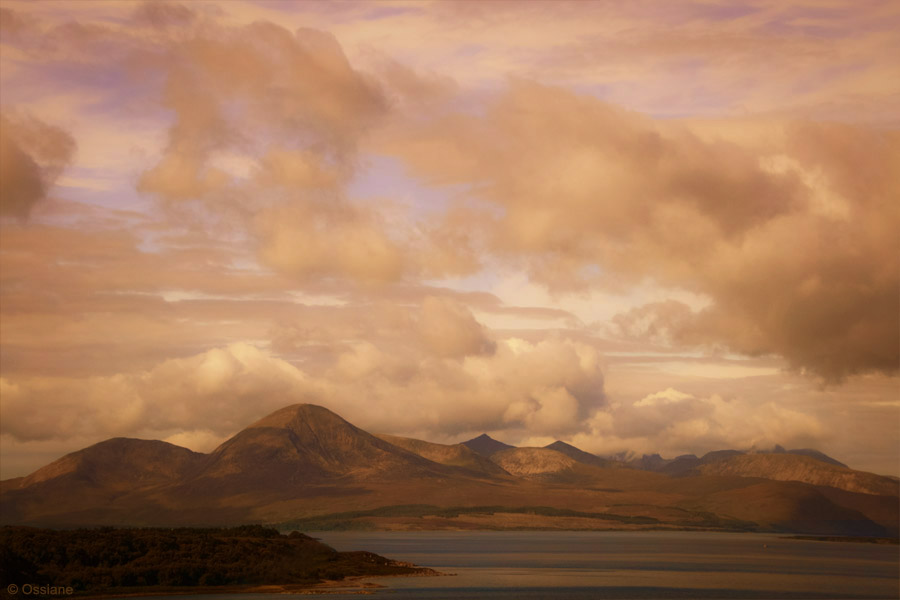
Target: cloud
{"x":791,"y":238}
{"x":673,"y":422}
{"x":32,"y":155}
{"x":346,"y":242}
{"x":218,"y":391}
{"x":550,"y":386}
{"x":448,"y":329}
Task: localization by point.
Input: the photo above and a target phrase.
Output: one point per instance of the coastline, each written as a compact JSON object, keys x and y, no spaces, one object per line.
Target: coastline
{"x":354,"y":584}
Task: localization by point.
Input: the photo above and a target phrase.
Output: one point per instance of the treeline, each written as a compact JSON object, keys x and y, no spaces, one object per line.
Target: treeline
{"x":104,"y":560}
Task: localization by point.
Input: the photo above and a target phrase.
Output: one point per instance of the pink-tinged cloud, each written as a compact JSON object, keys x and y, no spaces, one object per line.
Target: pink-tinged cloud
{"x":793,"y":241}
{"x":32,"y":155}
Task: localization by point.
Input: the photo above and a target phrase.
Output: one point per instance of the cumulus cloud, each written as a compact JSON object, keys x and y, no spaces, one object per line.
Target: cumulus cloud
{"x":673,"y":422}
{"x":791,"y":239}
{"x":550,"y":386}
{"x":32,"y":155}
{"x":449,"y":329}
{"x":220,"y":391}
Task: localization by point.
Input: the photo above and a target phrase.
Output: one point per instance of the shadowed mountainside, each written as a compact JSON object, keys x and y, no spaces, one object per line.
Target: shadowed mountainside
{"x":304,"y":463}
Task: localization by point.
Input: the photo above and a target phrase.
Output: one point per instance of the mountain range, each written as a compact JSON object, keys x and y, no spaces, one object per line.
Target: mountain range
{"x":304,"y":466}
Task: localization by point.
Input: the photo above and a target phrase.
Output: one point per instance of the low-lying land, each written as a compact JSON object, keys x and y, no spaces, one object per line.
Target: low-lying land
{"x":92,"y":562}
{"x":847,"y":538}
{"x":425,"y":517}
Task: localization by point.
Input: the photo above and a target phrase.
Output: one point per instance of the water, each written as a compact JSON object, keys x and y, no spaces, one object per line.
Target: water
{"x":532,"y":565}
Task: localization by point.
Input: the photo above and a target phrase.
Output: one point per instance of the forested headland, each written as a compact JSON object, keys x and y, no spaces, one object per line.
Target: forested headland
{"x":107,"y":560}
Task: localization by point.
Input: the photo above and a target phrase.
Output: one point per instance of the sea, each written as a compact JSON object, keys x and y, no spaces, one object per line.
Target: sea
{"x":561,"y":565}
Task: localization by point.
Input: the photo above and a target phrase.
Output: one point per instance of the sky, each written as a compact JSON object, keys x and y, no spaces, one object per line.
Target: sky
{"x":636,"y":227}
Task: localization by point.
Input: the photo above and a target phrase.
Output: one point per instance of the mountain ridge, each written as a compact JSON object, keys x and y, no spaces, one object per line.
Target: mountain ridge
{"x":304,"y":460}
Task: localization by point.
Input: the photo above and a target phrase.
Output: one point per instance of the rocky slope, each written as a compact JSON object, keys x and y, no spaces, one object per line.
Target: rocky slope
{"x":533,"y":462}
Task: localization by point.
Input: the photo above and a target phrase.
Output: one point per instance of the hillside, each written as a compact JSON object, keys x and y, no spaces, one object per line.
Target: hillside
{"x":119,"y":463}
{"x":533,"y":462}
{"x":795,"y":467}
{"x":108,"y":474}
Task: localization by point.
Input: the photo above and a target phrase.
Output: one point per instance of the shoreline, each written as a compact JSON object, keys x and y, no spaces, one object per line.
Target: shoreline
{"x":354,"y":584}
{"x":846,"y":539}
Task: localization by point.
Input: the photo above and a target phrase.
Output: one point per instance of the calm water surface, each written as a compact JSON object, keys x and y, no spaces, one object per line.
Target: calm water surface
{"x":580,"y":565}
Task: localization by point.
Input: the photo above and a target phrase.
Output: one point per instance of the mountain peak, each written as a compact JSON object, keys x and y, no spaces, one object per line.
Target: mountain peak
{"x":485,"y":445}
{"x":578,"y":454}
{"x":303,"y":443}
{"x":295,"y":414}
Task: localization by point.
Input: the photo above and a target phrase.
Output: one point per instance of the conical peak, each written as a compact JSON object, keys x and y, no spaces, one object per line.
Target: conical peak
{"x":485,"y":445}
{"x":291,"y":416}
{"x":559,"y":444}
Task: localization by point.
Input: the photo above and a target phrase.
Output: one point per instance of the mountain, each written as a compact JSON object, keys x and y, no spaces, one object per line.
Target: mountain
{"x":579,"y":455}
{"x":306,"y":465}
{"x":455,"y":455}
{"x":118,"y":463}
{"x":688,"y":464}
{"x":797,"y":467}
{"x":114,"y":471}
{"x":485,"y":445}
{"x":304,"y":444}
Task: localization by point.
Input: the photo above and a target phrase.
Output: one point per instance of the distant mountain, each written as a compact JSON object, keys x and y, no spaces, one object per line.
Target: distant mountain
{"x":305,"y":464}
{"x":304,"y":444}
{"x":455,"y":455}
{"x":796,"y":467}
{"x":579,"y":455}
{"x":687,"y":464}
{"x":113,"y":471}
{"x":119,"y":463}
{"x":485,"y":445}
